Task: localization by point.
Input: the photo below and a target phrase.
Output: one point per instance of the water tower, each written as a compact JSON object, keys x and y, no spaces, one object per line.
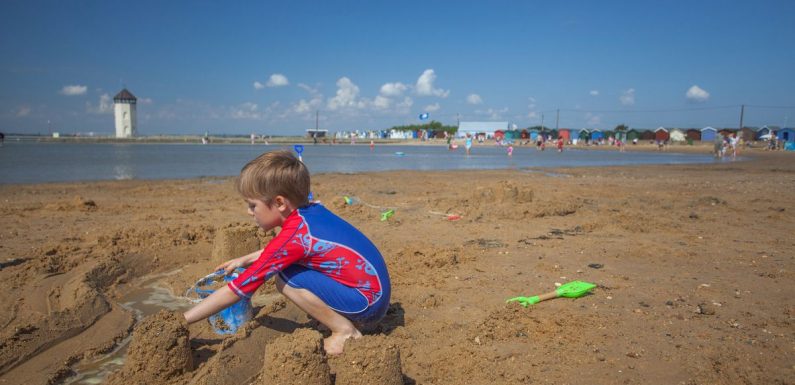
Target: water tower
{"x":124,"y":113}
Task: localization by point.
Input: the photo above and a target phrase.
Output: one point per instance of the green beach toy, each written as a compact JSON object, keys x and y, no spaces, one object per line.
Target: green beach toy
{"x":573,"y":289}
{"x":387,"y":214}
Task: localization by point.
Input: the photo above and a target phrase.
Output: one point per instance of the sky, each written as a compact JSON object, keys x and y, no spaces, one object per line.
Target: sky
{"x":279,"y":68}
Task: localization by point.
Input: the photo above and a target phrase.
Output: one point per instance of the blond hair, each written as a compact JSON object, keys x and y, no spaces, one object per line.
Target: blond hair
{"x":275,"y":173}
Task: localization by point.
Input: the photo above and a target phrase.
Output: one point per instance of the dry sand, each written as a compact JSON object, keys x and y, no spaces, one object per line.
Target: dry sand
{"x":694,"y":265}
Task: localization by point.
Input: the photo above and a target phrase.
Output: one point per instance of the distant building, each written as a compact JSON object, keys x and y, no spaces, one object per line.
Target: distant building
{"x":124,"y":113}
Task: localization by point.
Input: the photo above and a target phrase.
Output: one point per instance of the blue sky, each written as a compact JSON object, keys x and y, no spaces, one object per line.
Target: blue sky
{"x":266,"y":67}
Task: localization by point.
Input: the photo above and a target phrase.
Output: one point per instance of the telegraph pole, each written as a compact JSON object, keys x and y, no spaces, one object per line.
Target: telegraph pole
{"x":742,"y":111}
{"x":557,"y":119}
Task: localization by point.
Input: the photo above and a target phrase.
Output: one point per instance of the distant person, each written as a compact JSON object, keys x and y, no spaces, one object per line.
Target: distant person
{"x":321,"y":263}
{"x":314,"y":138}
{"x":2,"y":138}
{"x":734,"y":142}
{"x":560,"y":144}
{"x":468,"y":144}
{"x":510,"y":149}
{"x":372,"y":145}
{"x":717,"y":147}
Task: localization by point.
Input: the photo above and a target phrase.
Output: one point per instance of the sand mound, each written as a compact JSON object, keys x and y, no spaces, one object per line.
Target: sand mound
{"x":297,"y":358}
{"x":234,"y":241}
{"x":368,"y":360}
{"x":159,"y":352}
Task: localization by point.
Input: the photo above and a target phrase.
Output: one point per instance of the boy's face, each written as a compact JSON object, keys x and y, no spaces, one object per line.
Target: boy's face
{"x":267,"y":216}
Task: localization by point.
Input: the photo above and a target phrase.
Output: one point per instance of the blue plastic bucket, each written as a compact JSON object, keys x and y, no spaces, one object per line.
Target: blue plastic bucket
{"x":226,"y":321}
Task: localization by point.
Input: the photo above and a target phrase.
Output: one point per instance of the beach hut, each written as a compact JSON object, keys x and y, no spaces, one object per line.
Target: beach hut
{"x":661,"y":134}
{"x":677,"y":135}
{"x":708,"y":134}
{"x":533,"y":135}
{"x":786,"y":135}
{"x":499,"y":134}
{"x":553,"y":134}
{"x":693,"y":134}
{"x":565,"y":134}
{"x":647,"y":135}
{"x":596,"y":134}
{"x":525,"y":134}
{"x":726,"y":132}
{"x":633,"y":134}
{"x":763,"y":133}
{"x":747,"y":134}
{"x":584,"y":135}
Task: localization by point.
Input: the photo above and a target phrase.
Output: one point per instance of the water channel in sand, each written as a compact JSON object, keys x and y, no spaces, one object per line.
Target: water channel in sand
{"x":147,"y":299}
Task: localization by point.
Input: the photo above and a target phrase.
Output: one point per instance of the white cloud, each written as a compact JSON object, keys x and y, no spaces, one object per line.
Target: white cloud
{"x":492,"y":113}
{"x":23,"y":111}
{"x":258,"y":85}
{"x":277,"y":80}
{"x":432,"y":107}
{"x":474,"y":99}
{"x":594,"y":93}
{"x":145,"y":101}
{"x":105,"y":105}
{"x":315,"y":100}
{"x":247,"y":110}
{"x":425,"y":86}
{"x":627,"y":98}
{"x":393,"y":89}
{"x":405,"y":104}
{"x":697,"y":94}
{"x":593,"y":120}
{"x":381,"y":102}
{"x":347,"y":95}
{"x":74,"y":90}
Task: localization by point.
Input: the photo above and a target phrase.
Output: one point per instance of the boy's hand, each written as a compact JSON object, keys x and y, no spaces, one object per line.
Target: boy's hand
{"x":230,"y":265}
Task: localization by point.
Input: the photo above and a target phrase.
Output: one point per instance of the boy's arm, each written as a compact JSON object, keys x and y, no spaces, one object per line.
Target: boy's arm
{"x":217,"y":301}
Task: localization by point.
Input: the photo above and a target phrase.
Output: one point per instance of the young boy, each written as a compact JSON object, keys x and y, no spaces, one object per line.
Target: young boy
{"x":321,"y":263}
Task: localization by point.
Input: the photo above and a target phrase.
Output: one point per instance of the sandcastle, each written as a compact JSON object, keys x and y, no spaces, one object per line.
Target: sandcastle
{"x":159,"y":351}
{"x":298,"y":358}
{"x":234,"y":241}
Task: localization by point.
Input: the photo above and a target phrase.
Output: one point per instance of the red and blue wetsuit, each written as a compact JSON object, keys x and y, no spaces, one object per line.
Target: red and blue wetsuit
{"x":318,"y":251}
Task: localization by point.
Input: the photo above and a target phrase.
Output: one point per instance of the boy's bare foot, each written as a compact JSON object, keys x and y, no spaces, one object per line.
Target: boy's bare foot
{"x":334,"y":344}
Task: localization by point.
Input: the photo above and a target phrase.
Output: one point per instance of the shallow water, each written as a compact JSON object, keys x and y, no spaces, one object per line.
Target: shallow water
{"x":143,"y":301}
{"x":33,"y":162}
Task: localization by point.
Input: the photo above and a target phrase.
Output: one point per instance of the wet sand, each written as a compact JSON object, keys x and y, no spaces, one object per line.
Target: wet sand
{"x":694,"y":266}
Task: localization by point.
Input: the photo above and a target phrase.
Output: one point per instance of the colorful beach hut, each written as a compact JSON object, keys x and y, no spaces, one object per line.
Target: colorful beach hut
{"x":762,"y":133}
{"x":499,"y":135}
{"x":633,"y":134}
{"x":747,"y":134}
{"x":786,"y":135}
{"x":661,"y":134}
{"x":565,"y":134}
{"x":596,"y":134}
{"x":708,"y":134}
{"x":647,"y":135}
{"x":677,"y":135}
{"x":693,"y":134}
{"x":525,"y":134}
{"x":584,"y":135}
{"x":726,"y":132}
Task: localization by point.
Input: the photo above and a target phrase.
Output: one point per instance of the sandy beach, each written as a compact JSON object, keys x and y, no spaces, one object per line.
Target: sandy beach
{"x":694,"y":266}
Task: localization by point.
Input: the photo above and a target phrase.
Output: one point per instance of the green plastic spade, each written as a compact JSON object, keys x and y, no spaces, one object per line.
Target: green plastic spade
{"x":572,"y":289}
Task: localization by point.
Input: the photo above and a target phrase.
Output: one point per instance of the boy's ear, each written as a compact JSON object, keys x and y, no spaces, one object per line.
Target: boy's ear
{"x":281,"y":203}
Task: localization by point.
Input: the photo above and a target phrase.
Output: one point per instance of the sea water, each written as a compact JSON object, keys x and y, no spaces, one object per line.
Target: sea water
{"x":35,"y":162}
